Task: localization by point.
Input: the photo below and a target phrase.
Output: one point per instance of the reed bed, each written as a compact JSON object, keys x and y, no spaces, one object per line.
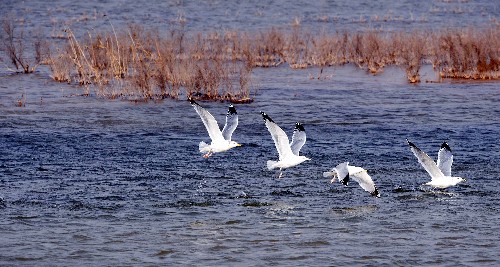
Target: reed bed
{"x":141,"y":64}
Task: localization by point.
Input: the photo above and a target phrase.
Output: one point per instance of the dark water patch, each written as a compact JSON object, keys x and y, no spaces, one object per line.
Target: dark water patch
{"x":24,"y":259}
{"x":401,"y":189}
{"x":25,"y":217}
{"x":164,"y":253}
{"x":81,"y":238}
{"x":286,"y":193}
{"x":355,"y":211}
{"x":42,"y":169}
{"x":255,"y":204}
{"x":192,"y":203}
{"x":114,"y":208}
{"x":484,"y":261}
{"x":25,"y":202}
{"x":298,"y":258}
{"x":231,"y":222}
{"x":110,"y":198}
{"x":75,"y":205}
{"x":79,"y":254}
{"x":315,"y":244}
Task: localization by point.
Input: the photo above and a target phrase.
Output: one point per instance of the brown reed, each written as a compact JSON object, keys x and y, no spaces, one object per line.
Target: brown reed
{"x":143,"y":64}
{"x":468,"y":54}
{"x":14,"y":46}
{"x":148,"y":66}
{"x":21,"y":102}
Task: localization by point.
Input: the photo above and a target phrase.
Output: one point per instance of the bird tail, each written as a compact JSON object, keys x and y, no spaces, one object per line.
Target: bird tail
{"x":271,"y":164}
{"x":330,"y":174}
{"x":204,"y":147}
{"x":333,"y":174}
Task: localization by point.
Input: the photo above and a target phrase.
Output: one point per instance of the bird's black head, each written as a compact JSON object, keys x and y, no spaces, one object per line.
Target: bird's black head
{"x":446,"y":146}
{"x":231,"y":110}
{"x":266,"y":117}
{"x":299,"y":127}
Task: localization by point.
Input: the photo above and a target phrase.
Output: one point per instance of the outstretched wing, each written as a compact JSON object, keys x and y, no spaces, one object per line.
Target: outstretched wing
{"x":279,"y":137}
{"x":445,"y":159}
{"x":365,"y":181}
{"x":426,"y":162}
{"x":298,"y":138}
{"x":231,"y":123}
{"x":209,"y":122}
{"x":342,"y":173}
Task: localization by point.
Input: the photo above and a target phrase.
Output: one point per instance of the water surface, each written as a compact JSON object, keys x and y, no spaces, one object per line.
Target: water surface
{"x":89,"y":181}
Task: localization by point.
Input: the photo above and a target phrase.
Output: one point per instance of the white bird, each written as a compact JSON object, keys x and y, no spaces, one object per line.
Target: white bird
{"x":343,"y":172}
{"x":288,"y":152}
{"x":221,"y":141}
{"x":441,"y":172}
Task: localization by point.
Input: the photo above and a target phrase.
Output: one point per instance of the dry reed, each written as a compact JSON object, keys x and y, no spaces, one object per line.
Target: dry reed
{"x":141,"y":64}
{"x":14,"y":46}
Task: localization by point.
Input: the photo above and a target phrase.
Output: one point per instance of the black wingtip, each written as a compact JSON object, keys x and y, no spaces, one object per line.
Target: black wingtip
{"x":192,"y":102}
{"x":345,"y":181}
{"x":299,"y":127}
{"x":266,"y":117}
{"x":411,"y":144}
{"x":231,"y":110}
{"x":375,"y":193}
{"x":446,"y":146}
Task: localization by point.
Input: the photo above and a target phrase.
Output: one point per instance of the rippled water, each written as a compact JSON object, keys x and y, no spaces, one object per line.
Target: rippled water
{"x":88,"y":181}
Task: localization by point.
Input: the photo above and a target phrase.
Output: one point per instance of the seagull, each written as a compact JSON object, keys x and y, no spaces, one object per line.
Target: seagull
{"x":288,"y":152}
{"x":343,"y":172}
{"x":221,"y":141}
{"x":441,"y":172}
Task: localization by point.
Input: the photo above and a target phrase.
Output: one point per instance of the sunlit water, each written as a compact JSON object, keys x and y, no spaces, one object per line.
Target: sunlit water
{"x":89,"y":181}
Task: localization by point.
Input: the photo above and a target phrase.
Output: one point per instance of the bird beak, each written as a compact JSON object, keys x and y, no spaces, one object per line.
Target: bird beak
{"x":238,"y":144}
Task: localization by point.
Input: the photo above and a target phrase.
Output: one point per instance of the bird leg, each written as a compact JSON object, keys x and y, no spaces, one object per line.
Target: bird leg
{"x":208,"y":154}
{"x":281,"y":174}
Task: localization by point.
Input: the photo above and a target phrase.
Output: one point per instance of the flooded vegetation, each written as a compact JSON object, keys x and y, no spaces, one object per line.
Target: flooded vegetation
{"x":140,"y":63}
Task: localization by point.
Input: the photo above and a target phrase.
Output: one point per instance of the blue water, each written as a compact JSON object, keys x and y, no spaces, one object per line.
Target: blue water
{"x":90,"y":181}
{"x":215,"y":15}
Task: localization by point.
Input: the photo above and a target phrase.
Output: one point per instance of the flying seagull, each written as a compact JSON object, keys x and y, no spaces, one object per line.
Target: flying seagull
{"x":441,"y":172}
{"x":343,"y":172}
{"x":288,"y":152}
{"x":221,"y":141}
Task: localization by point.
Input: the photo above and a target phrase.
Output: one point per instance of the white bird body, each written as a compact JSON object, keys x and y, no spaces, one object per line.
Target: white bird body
{"x":288,"y":152}
{"x":287,"y":162}
{"x":216,"y":147}
{"x":441,"y":172}
{"x":343,"y":172}
{"x":221,"y":140}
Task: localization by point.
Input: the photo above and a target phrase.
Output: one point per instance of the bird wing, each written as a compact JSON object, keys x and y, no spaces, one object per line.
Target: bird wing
{"x":231,"y":123}
{"x":209,"y":122}
{"x":426,"y":162}
{"x":342,"y":173}
{"x":445,"y":159}
{"x":298,"y":138}
{"x":364,"y":180}
{"x":279,"y":137}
